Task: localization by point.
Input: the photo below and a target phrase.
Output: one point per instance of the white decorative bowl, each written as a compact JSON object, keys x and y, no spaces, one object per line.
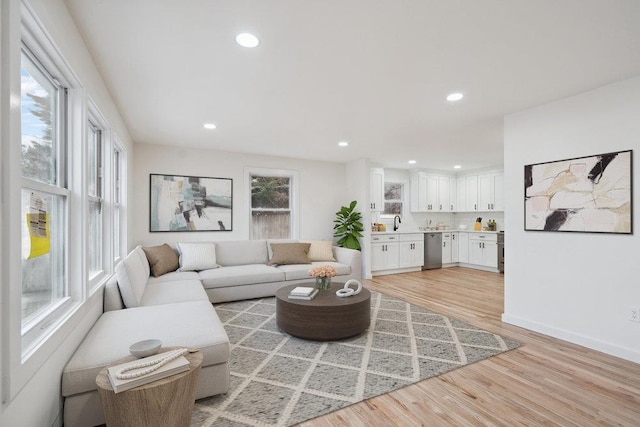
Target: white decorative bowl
{"x":462,"y":226}
{"x":145,"y":348}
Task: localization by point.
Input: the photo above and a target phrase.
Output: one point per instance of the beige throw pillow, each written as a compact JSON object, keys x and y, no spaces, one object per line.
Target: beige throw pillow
{"x":162,"y":259}
{"x":289,"y":253}
{"x":320,"y":250}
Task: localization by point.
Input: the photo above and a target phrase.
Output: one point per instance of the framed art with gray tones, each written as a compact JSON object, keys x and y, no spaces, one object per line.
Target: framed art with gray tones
{"x":190,"y":203}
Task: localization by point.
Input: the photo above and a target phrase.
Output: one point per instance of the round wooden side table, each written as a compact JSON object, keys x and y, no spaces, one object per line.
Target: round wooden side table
{"x":165,"y":402}
{"x":326,"y":317}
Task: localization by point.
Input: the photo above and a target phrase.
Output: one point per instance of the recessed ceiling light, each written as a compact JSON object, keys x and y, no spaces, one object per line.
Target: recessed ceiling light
{"x":456,"y":96}
{"x":209,"y":126}
{"x":247,"y":40}
{"x":457,"y":167}
{"x":343,"y":144}
{"x":412,"y":162}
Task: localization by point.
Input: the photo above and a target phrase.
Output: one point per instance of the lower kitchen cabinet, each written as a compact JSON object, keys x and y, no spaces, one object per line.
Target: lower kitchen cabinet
{"x":446,"y":248}
{"x":463,"y":247}
{"x":455,"y":247}
{"x":411,"y":252}
{"x":384,"y":252}
{"x":483,"y":250}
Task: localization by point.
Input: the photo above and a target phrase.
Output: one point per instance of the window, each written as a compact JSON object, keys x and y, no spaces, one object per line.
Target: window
{"x":117,"y":202}
{"x":393,"y":198}
{"x":272,"y":207}
{"x":94,"y":197}
{"x":44,"y":197}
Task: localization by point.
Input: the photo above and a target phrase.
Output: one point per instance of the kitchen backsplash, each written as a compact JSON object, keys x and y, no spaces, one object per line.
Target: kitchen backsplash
{"x":414,"y":221}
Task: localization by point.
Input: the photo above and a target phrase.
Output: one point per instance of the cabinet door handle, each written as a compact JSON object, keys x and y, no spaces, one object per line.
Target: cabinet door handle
{"x":451,"y":207}
{"x":440,"y":207}
{"x":475,"y":207}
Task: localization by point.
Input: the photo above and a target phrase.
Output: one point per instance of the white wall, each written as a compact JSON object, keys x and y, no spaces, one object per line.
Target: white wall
{"x":321,"y":190}
{"x":575,"y":286}
{"x":39,"y":403}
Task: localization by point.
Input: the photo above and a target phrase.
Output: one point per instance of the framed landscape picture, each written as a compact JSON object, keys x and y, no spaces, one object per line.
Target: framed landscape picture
{"x":590,"y":194}
{"x":190,"y":203}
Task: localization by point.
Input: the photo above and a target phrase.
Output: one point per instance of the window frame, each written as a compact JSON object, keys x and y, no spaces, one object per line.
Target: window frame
{"x":98,"y":122}
{"x":401,"y":200}
{"x":34,"y":330}
{"x":293,"y":196}
{"x":64,"y":320}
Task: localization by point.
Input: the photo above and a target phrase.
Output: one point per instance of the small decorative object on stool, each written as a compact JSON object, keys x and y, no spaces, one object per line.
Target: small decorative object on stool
{"x":323,"y":275}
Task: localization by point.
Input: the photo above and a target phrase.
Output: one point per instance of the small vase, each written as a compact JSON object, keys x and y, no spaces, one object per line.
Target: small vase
{"x":323,"y":283}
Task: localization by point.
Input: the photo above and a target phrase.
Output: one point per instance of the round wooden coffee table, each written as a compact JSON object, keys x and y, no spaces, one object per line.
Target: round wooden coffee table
{"x":326,"y":317}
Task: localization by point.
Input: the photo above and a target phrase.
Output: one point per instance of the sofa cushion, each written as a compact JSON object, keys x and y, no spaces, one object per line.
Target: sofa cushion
{"x":237,"y":275}
{"x":162,"y":259}
{"x":174,"y":276}
{"x":320,"y":250}
{"x":289,"y":253}
{"x":242,"y":252}
{"x":271,"y":241}
{"x":133,"y":273}
{"x":197,"y":256}
{"x":188,"y":324}
{"x":301,"y":271}
{"x":169,"y":292}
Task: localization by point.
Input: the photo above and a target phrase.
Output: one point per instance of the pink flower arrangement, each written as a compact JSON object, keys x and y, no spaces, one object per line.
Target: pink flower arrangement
{"x":323,"y":271}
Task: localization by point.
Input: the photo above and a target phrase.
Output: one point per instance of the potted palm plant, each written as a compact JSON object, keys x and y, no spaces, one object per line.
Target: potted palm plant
{"x":348,"y":227}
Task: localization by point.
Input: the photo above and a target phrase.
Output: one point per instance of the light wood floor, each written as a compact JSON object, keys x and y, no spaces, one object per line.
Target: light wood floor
{"x":546,"y":381}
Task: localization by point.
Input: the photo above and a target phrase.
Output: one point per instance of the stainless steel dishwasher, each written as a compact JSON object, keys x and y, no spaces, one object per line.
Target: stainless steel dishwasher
{"x":432,"y":251}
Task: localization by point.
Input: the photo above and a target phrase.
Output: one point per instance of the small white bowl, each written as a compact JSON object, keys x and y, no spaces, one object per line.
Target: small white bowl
{"x":145,"y":348}
{"x":462,"y":226}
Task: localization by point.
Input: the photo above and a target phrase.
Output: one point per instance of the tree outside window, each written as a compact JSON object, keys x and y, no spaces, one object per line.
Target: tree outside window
{"x":393,"y":199}
{"x":270,"y":207}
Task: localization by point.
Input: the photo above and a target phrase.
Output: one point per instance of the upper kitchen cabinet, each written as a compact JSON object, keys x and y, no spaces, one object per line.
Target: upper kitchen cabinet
{"x":376,"y":186}
{"x":491,"y":192}
{"x":431,"y":193}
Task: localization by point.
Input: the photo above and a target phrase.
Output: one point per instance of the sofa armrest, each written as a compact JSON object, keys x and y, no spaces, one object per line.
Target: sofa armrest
{"x":112,"y":298}
{"x":349,"y":257}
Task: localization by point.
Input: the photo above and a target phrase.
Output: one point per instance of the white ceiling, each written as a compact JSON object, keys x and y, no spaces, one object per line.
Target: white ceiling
{"x":372,"y":72}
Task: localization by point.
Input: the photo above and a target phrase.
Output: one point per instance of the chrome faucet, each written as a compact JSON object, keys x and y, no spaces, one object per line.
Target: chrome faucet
{"x":395,"y":226}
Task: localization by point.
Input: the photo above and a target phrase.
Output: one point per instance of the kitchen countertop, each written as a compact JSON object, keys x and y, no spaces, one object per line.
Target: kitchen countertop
{"x":375,"y":233}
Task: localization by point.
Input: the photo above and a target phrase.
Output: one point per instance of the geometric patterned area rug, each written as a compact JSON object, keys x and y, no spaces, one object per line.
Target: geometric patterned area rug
{"x":280,"y":380}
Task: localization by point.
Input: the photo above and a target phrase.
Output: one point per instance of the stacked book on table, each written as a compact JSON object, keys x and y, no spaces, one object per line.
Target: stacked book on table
{"x":303,"y":292}
{"x":175,"y":366}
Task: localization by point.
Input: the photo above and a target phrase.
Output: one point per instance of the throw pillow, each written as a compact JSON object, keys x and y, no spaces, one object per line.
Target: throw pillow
{"x":132,"y":274}
{"x":162,"y":259}
{"x":289,"y":253}
{"x":197,"y":256}
{"x":320,"y":250}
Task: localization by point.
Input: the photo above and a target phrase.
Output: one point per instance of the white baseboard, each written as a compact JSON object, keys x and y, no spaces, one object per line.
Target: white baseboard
{"x":583,"y":340}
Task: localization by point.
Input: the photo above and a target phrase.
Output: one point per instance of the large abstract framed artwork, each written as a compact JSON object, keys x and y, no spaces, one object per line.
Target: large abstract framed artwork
{"x":190,"y":203}
{"x":587,"y":194}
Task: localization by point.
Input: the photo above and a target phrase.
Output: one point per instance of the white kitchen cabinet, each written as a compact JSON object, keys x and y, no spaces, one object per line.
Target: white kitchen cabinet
{"x":444,"y":195}
{"x":384,"y":252}
{"x":491,"y":192}
{"x":376,"y":198}
{"x":471,"y":182}
{"x":411,"y":250}
{"x":431,"y":193}
{"x":453,"y":191}
{"x":461,"y":194}
{"x":455,"y":247}
{"x":463,"y":246}
{"x":446,"y":248}
{"x":483,"y":249}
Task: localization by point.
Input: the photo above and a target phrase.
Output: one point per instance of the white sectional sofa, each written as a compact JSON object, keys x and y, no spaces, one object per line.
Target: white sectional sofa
{"x":176,"y":308}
